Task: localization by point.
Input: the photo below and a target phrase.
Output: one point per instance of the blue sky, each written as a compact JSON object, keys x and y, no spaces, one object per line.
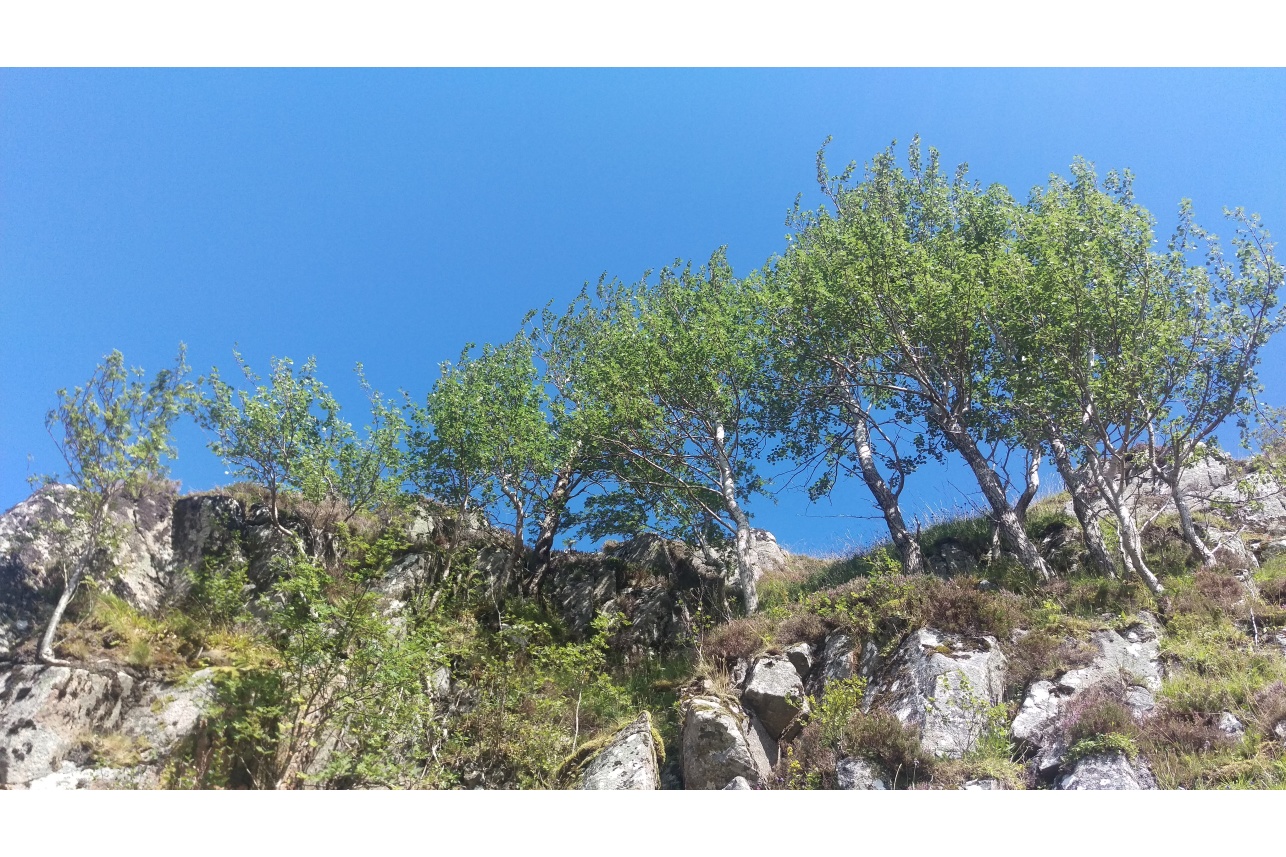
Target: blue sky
{"x":390,"y":216}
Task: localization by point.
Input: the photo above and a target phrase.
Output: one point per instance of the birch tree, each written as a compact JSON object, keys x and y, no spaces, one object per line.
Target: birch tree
{"x":114,"y":434}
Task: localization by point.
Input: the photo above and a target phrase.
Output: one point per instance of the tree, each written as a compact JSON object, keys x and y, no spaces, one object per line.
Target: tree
{"x":282,"y":435}
{"x":918,"y":260}
{"x":484,"y":434}
{"x":679,"y":365}
{"x":114,"y":434}
{"x":1226,"y":316}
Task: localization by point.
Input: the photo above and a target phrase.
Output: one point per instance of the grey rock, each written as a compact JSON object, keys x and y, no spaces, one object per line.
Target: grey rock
{"x":69,"y":777}
{"x":45,"y":711}
{"x":628,"y":762}
{"x":838,"y":657}
{"x":764,"y":749}
{"x":1107,"y":772}
{"x":717,"y":747}
{"x":801,"y":655}
{"x":943,"y":685}
{"x":165,"y":715}
{"x":859,"y":775}
{"x":140,"y":568}
{"x":775,"y":692}
{"x":738,"y":784}
{"x":1229,"y":725}
{"x":986,"y":784}
{"x":1130,"y":663}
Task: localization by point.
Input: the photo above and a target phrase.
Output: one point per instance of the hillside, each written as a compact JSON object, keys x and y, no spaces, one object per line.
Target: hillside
{"x":399,"y":650}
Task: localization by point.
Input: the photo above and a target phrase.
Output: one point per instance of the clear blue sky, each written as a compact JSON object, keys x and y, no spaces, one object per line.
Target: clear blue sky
{"x":390,"y":216}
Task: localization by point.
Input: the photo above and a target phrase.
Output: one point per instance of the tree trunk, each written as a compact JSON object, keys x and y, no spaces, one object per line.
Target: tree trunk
{"x":908,"y":548}
{"x":1127,"y":531}
{"x":46,"y":652}
{"x":1033,"y":485}
{"x":1093,"y":536}
{"x":728,"y":489}
{"x":1190,"y":534}
{"x":549,"y":523}
{"x":1011,"y":529}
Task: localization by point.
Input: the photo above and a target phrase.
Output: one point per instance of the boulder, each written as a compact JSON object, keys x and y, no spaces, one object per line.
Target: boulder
{"x":1128,"y":663}
{"x":738,"y":784}
{"x":839,"y":657}
{"x":801,"y":655}
{"x":721,"y":743}
{"x":627,"y":762}
{"x":944,"y":685}
{"x":46,"y":711}
{"x":775,"y":692}
{"x":165,"y":715}
{"x":859,"y":775}
{"x":1107,"y":772}
{"x":140,"y":570}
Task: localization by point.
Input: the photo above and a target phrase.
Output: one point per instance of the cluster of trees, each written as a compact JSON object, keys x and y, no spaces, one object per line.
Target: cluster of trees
{"x":914,"y":316}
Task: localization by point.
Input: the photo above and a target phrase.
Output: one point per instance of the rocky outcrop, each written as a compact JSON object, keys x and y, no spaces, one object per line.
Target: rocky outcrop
{"x":46,"y":711}
{"x":1127,"y":664}
{"x":140,"y":569}
{"x":49,"y":714}
{"x":859,"y":775}
{"x":775,"y":693}
{"x":629,"y":760}
{"x":721,"y":743}
{"x":944,"y":685}
{"x":1107,"y":772}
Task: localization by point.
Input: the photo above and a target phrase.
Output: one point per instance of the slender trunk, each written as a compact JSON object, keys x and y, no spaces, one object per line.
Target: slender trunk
{"x":72,"y":579}
{"x":1128,"y":532}
{"x":1011,"y":528}
{"x":46,"y":653}
{"x":728,"y":489}
{"x":1190,"y":534}
{"x":1093,"y":536}
{"x":549,"y":524}
{"x":907,"y":546}
{"x":1033,"y":485}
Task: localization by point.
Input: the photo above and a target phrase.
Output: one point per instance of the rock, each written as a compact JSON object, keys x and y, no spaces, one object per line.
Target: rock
{"x":168,"y":714}
{"x":628,"y":762}
{"x":141,"y":567}
{"x":1039,"y":709}
{"x":1107,"y":772}
{"x":767,"y":555}
{"x":45,"y":711}
{"x":943,"y":684}
{"x":578,"y":588}
{"x":801,"y":655}
{"x":858,"y":775}
{"x":738,"y":784}
{"x":986,"y":784}
{"x":838,"y":657}
{"x":952,"y":559}
{"x":1128,"y":663}
{"x":775,"y":692}
{"x":1229,"y":725}
{"x":717,"y":746}
{"x":69,"y":777}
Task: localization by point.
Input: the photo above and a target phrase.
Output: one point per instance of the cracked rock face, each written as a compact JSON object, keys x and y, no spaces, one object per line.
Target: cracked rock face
{"x":1129,"y":661}
{"x":775,"y":692}
{"x":859,"y":775}
{"x":45,"y":711}
{"x":720,"y":744}
{"x":628,"y":762}
{"x":942,"y":684}
{"x":1107,"y":772}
